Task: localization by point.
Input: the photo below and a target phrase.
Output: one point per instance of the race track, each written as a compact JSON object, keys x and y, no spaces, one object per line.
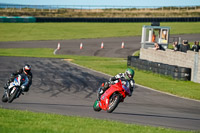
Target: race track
{"x":63,"y":88}
{"x":92,"y":47}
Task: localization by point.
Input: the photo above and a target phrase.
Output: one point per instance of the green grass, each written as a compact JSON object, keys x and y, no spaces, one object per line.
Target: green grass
{"x":65,"y":31}
{"x":186,"y":89}
{"x":113,"y":66}
{"x":14,"y":121}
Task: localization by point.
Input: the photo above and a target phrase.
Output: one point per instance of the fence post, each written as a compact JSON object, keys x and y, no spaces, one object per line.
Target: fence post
{"x":179,"y":40}
{"x":195,"y":68}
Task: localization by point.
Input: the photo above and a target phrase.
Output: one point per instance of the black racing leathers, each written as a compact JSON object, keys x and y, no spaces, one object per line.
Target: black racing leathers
{"x":20,"y":71}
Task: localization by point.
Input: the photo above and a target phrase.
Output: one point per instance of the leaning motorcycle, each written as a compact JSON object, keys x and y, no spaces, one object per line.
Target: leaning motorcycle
{"x":110,"y":99}
{"x":15,"y":88}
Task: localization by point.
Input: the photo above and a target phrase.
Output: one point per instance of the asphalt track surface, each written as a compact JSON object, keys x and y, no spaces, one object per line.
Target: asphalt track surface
{"x":64,"y":88}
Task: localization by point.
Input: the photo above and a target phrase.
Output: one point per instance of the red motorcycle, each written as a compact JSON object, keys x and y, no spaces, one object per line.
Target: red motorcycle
{"x":109,"y":100}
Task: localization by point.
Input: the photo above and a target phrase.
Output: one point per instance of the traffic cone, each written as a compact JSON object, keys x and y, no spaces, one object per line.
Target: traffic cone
{"x":122,"y":45}
{"x":58,"y":46}
{"x":81,"y":46}
{"x":102,"y":45}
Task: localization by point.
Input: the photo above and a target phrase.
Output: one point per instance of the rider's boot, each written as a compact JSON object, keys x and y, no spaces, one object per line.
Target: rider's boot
{"x":100,"y":92}
{"x":102,"y":89}
{"x":6,"y":85}
{"x":7,"y":91}
{"x":105,"y":87}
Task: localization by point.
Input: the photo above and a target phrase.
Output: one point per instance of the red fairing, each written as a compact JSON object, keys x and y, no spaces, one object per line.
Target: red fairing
{"x":104,"y":101}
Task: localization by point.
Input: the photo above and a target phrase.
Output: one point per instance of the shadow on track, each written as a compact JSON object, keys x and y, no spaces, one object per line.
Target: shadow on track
{"x":63,"y":78}
{"x":55,"y":76}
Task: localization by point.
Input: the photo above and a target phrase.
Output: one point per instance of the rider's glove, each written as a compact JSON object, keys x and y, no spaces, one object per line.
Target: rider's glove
{"x":110,"y":82}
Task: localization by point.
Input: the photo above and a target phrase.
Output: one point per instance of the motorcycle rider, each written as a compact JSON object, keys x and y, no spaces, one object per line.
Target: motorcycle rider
{"x":25,"y":70}
{"x":127,"y":76}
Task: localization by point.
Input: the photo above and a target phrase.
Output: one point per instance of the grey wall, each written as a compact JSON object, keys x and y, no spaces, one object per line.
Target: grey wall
{"x":190,"y":59}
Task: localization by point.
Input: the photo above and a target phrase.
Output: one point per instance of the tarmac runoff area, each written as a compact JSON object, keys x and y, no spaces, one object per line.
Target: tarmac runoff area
{"x":64,"y":88}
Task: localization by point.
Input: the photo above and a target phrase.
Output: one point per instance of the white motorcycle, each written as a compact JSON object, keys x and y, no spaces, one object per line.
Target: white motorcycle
{"x":15,"y":88}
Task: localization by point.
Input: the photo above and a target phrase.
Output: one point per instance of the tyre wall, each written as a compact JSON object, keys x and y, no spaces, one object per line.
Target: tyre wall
{"x":176,"y":72}
{"x":176,"y":59}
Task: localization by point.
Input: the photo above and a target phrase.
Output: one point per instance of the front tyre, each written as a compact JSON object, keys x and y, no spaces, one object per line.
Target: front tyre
{"x":4,"y":98}
{"x":96,"y":106}
{"x":13,"y":95}
{"x":113,"y":103}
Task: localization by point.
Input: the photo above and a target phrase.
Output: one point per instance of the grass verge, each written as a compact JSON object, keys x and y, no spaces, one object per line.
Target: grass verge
{"x":113,"y":66}
{"x":29,"y":122}
{"x":65,"y":31}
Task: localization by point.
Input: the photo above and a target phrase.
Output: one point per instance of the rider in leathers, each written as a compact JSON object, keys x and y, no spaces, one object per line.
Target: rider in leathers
{"x":25,"y":70}
{"x":127,"y":76}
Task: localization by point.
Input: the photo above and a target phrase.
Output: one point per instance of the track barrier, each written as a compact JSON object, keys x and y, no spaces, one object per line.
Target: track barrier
{"x":163,"y":19}
{"x":176,"y":72}
{"x":16,"y":19}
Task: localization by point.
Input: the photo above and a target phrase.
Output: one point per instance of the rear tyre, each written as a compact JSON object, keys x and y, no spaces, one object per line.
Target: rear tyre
{"x":113,"y":103}
{"x":96,"y":106}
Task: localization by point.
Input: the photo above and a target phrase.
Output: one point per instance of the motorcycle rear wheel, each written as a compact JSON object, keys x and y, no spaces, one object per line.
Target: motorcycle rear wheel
{"x":96,"y":106}
{"x":113,"y":103}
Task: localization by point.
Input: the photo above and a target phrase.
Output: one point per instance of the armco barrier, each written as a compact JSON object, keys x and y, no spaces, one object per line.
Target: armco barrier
{"x":176,"y":72}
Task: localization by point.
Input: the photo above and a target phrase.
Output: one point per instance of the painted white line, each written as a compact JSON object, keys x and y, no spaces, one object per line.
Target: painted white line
{"x":137,"y":84}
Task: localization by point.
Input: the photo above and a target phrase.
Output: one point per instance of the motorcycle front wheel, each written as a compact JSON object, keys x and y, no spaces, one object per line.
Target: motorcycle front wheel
{"x":13,"y":95}
{"x":96,"y":106}
{"x":4,"y":98}
{"x":113,"y":103}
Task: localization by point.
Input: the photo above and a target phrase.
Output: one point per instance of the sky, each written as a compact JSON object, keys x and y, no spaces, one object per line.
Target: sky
{"x":106,"y":2}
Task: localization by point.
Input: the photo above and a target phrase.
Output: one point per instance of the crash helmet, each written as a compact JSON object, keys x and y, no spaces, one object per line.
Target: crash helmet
{"x":27,"y":68}
{"x":129,"y":73}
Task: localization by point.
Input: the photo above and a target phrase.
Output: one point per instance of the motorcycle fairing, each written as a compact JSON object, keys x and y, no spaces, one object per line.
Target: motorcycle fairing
{"x":106,"y":96}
